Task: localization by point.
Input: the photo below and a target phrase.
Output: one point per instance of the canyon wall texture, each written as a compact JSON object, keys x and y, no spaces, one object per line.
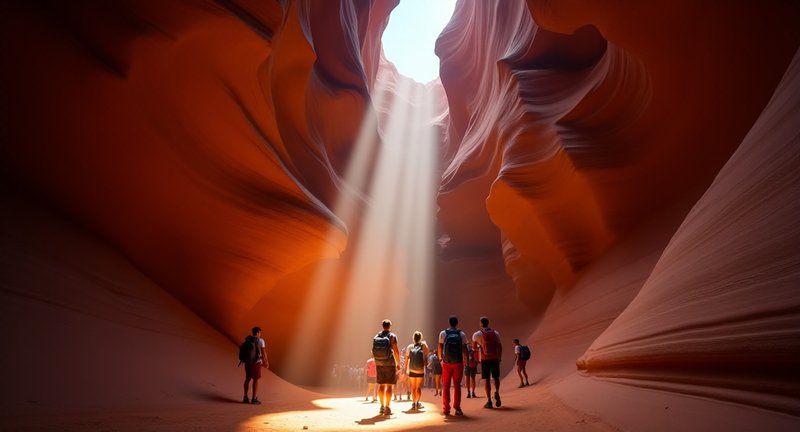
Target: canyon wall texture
{"x":621,"y":179}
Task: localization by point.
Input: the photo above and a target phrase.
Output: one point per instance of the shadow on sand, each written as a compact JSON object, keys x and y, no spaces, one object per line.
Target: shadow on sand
{"x":214,"y":397}
{"x":373,"y":420}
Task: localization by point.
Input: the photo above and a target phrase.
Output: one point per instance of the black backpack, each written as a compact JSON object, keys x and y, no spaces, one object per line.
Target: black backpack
{"x":382,"y":349}
{"x":416,"y":361}
{"x":524,"y":352}
{"x":248,"y":350}
{"x":452,"y":351}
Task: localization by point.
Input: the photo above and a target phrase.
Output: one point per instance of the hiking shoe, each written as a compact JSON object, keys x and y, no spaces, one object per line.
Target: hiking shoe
{"x":459,"y":412}
{"x":383,"y":409}
{"x":497,"y":402}
{"x":245,"y":400}
{"x":488,"y":404}
{"x":255,"y":401}
{"x":387,"y":411}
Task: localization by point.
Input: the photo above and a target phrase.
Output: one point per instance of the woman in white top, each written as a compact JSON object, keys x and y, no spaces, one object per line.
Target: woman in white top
{"x":416,"y":356}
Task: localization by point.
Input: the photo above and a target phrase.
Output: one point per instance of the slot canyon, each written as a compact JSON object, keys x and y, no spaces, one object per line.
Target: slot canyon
{"x":616,"y":184}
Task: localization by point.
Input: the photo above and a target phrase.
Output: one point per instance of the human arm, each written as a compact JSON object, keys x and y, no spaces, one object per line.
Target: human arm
{"x":396,"y":352}
{"x":264,"y":358}
{"x":464,"y":350}
{"x":499,"y":346}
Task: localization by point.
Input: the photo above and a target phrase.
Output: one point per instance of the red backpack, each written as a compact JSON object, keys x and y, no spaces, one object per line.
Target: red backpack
{"x":490,"y":350}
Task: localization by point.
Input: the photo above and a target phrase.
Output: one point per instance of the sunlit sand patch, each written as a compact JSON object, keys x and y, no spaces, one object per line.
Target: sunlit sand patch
{"x":337,"y":414}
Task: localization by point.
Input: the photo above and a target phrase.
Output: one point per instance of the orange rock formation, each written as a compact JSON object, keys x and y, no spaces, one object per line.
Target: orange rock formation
{"x":623,"y":178}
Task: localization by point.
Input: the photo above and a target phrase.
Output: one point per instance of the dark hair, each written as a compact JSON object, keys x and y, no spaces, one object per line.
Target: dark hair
{"x":417,"y":336}
{"x":453,"y":320}
{"x":386,"y":323}
{"x":255,"y":330}
{"x":516,"y":341}
{"x":484,"y":321}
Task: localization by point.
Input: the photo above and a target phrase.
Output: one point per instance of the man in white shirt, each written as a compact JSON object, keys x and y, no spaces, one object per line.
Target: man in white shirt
{"x":252,"y":371}
{"x":453,"y":352}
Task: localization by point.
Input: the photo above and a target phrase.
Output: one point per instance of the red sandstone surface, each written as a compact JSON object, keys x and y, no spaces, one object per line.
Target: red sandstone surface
{"x":622,"y":177}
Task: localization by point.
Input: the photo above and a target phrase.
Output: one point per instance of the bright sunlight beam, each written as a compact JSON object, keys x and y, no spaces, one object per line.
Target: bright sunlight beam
{"x":410,"y":36}
{"x":387,"y":203}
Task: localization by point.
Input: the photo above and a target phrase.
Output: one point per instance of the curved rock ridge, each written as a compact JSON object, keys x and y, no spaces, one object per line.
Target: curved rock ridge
{"x":543,"y":105}
{"x":197,"y":140}
{"x":719,"y":316}
{"x":611,"y":184}
{"x":576,"y":139}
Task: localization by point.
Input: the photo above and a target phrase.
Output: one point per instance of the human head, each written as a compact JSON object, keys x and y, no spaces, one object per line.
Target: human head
{"x":516,"y":341}
{"x":453,"y":320}
{"x":484,"y":321}
{"x":386,"y":324}
{"x":256,"y":330}
{"x":417,"y":336}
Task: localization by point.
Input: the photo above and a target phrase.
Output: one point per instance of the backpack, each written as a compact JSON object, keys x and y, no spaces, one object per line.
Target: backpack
{"x":416,"y":361}
{"x":452,"y":351}
{"x":248,"y":350}
{"x":491,"y":345}
{"x":382,"y":349}
{"x":524,"y":353}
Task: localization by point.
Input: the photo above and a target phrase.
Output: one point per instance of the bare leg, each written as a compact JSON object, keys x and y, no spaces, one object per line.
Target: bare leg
{"x":389,"y":392}
{"x":382,"y":394}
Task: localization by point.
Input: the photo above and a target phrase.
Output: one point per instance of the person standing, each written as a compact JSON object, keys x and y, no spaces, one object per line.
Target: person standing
{"x":253,"y":366}
{"x":470,"y":370}
{"x":487,"y":342}
{"x":521,"y":355}
{"x":372,"y":374}
{"x":387,"y":363}
{"x":435,"y":366}
{"x":416,"y":356}
{"x":453,"y":352}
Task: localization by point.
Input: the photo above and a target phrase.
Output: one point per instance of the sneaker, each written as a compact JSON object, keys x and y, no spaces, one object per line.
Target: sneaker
{"x":255,"y":401}
{"x":527,"y":384}
{"x":488,"y":404}
{"x":383,"y":409}
{"x":521,"y":385}
{"x":468,"y":395}
{"x":497,"y":401}
{"x":387,"y":411}
{"x":245,"y":400}
{"x":459,"y":412}
{"x":473,"y":395}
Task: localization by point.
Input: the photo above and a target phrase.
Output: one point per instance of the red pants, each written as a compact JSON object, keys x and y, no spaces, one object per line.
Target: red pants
{"x":455,"y":372}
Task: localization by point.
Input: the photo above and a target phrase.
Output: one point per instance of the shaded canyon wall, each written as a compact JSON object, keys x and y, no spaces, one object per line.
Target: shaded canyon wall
{"x":609,"y":173}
